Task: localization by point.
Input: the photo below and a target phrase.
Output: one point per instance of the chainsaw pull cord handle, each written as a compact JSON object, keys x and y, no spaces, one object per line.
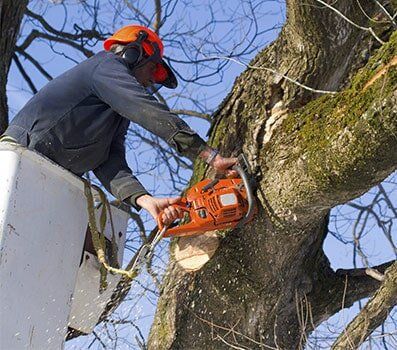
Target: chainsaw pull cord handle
{"x":182,"y":205}
{"x":250,"y":195}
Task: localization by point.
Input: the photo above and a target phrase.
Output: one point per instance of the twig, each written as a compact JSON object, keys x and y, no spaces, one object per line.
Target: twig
{"x":137,"y":11}
{"x":367,"y":29}
{"x":24,"y":74}
{"x":204,"y":116}
{"x":386,"y":13}
{"x":228,"y":344}
{"x":276,"y":73}
{"x":343,"y":306}
{"x":233,"y":331}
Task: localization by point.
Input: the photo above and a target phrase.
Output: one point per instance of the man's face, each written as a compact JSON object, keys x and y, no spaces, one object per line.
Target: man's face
{"x":144,"y":73}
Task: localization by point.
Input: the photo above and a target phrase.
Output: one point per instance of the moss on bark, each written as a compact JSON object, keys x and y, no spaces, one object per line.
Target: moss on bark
{"x":334,"y":137}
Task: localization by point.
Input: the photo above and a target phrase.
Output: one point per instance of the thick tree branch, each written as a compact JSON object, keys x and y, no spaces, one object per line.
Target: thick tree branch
{"x":334,"y":291}
{"x":11,"y":13}
{"x":372,"y":315}
{"x":338,"y":143}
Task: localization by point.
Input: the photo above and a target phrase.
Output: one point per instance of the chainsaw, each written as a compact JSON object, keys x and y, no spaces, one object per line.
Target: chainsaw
{"x":210,"y":205}
{"x":216,"y":204}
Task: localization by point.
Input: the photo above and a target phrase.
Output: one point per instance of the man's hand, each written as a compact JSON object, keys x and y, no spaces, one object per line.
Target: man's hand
{"x":156,"y":205}
{"x":219,"y":163}
{"x":223,"y":165}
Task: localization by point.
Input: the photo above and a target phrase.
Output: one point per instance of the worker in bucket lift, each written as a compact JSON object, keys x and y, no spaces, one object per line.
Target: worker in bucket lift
{"x":80,"y":119}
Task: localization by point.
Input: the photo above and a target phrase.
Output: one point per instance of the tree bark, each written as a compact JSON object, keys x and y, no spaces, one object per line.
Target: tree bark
{"x":267,"y":284}
{"x":11,"y":13}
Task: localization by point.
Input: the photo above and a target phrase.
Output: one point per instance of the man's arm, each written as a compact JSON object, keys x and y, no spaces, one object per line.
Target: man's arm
{"x":115,"y":174}
{"x":114,"y":84}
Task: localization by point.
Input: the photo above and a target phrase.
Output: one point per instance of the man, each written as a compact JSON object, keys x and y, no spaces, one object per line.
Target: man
{"x":80,"y":119}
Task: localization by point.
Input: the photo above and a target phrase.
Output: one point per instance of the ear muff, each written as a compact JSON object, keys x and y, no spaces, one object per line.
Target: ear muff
{"x":133,"y":52}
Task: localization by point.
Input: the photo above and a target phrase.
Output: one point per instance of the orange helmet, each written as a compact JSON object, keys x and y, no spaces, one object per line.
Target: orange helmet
{"x":153,"y":48}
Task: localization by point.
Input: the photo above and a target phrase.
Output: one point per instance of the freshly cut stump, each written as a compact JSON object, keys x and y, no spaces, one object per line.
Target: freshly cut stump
{"x":191,"y":253}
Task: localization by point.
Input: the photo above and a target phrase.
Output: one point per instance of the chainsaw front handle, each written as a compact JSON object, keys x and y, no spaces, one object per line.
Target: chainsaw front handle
{"x":242,"y":167}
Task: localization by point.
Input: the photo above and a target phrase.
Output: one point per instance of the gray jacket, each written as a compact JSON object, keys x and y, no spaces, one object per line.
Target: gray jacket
{"x":80,"y":120}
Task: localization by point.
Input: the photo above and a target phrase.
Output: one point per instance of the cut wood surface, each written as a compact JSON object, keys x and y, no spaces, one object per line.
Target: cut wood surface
{"x":191,"y":253}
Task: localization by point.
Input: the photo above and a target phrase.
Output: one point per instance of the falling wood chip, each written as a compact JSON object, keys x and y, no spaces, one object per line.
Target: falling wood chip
{"x":191,"y":253}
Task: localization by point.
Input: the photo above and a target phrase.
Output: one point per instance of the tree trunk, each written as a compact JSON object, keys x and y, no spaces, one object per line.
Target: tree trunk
{"x":11,"y":13}
{"x":269,"y":284}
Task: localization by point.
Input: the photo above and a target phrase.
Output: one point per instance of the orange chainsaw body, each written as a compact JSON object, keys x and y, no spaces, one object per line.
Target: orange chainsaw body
{"x":211,"y":205}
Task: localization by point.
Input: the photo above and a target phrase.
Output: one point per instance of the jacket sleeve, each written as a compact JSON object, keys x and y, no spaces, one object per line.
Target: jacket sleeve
{"x":114,"y":84}
{"x":116,"y":175}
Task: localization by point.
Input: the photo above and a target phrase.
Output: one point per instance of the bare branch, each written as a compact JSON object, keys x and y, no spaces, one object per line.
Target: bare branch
{"x":375,"y":274}
{"x":36,"y":34}
{"x":275,"y":72}
{"x":84,"y":34}
{"x":34,"y":62}
{"x":24,"y":74}
{"x":362,"y":272}
{"x":138,"y":12}
{"x":204,"y":116}
{"x":387,"y":13}
{"x":347,"y":285}
{"x":157,"y":23}
{"x":372,"y":315}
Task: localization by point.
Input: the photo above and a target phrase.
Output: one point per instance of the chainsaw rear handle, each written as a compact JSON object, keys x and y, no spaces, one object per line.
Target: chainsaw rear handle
{"x":242,"y":167}
{"x":182,"y":205}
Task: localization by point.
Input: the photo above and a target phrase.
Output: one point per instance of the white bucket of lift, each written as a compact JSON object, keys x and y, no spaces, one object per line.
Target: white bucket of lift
{"x":43,"y":223}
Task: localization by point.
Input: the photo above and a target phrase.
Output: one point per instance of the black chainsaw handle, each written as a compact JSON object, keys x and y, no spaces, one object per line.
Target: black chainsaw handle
{"x":239,"y":167}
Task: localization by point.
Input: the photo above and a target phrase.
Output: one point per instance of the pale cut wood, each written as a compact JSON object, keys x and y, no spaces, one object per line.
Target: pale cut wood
{"x":192,"y":253}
